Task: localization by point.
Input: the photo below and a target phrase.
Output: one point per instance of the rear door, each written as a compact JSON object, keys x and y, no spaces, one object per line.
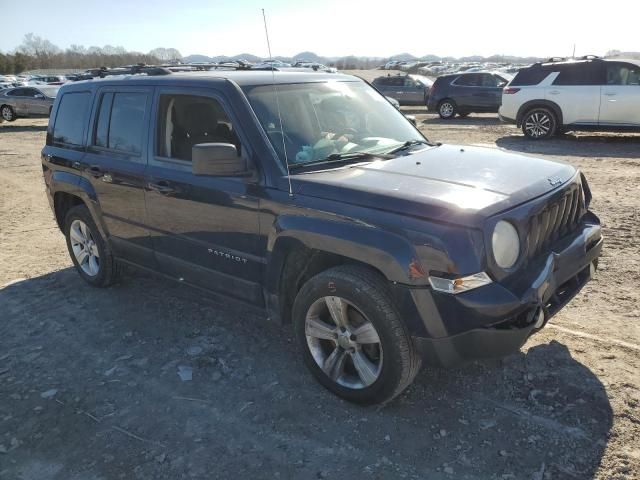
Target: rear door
{"x":620,"y":103}
{"x":205,"y":229}
{"x":576,"y":90}
{"x":115,"y":165}
{"x":466,"y":90}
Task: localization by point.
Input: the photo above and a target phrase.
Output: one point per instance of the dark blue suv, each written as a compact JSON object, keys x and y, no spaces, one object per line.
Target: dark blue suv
{"x":465,"y":93}
{"x":311,"y":197}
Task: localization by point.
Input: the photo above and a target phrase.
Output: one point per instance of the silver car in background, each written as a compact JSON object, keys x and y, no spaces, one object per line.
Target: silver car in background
{"x":26,"y":102}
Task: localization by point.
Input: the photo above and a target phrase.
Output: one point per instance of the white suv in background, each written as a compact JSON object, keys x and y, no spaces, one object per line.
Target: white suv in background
{"x":586,"y":94}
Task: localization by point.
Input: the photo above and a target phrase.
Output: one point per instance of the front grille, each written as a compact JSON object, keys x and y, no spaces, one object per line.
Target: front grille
{"x":558,"y":218}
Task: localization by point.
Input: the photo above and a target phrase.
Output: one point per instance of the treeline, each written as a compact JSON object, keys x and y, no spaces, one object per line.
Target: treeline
{"x":37,"y":53}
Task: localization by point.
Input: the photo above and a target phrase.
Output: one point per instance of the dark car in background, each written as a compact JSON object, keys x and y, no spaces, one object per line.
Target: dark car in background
{"x":27,"y":102}
{"x":406,"y":89}
{"x":465,"y":93}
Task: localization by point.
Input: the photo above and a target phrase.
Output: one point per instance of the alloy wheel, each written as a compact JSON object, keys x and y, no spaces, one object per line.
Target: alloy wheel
{"x":446,"y":109}
{"x":343,"y":342}
{"x":7,"y":114}
{"x":538,"y":124}
{"x":84,"y":248}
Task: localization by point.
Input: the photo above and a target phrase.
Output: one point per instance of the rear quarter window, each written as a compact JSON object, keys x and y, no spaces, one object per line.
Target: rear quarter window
{"x":71,"y":118}
{"x":530,"y":76}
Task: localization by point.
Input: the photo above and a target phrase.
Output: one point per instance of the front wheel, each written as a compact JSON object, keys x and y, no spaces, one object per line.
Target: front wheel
{"x":88,"y":250}
{"x":539,"y":123}
{"x":7,"y":113}
{"x":353,"y":340}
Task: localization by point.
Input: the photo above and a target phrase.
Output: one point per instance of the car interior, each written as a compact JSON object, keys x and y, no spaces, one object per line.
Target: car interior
{"x":190,"y":120}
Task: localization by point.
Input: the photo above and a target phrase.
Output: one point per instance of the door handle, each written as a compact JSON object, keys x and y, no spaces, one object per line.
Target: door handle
{"x":95,"y":172}
{"x":610,"y":94}
{"x":162,"y":187}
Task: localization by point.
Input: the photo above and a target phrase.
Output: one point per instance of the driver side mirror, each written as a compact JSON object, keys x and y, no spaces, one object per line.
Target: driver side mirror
{"x":218,"y":160}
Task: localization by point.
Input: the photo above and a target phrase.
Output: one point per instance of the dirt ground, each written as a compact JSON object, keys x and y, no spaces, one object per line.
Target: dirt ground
{"x":89,"y":384}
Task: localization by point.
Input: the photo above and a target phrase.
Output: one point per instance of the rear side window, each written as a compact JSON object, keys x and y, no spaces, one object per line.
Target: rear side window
{"x":71,"y":118}
{"x":578,"y":74}
{"x":470,"y":80}
{"x":529,"y":76}
{"x":120,"y":124}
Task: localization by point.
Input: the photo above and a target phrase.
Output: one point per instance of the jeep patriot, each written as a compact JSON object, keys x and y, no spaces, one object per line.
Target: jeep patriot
{"x":310,"y":196}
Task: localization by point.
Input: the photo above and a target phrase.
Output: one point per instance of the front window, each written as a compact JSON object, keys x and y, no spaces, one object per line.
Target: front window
{"x":328,"y":118}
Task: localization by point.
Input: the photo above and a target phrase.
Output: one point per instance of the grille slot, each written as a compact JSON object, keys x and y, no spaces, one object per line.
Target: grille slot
{"x":555,"y":220}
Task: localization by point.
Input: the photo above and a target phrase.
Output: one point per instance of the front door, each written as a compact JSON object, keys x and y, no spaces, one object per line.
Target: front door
{"x":620,"y":104}
{"x":115,"y":165}
{"x":205,"y":229}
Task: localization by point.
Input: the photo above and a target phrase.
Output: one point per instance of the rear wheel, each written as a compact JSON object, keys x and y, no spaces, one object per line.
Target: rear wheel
{"x":539,"y":123}
{"x":447,"y":109}
{"x":352,"y":339}
{"x":88,"y":250}
{"x":7,"y":113}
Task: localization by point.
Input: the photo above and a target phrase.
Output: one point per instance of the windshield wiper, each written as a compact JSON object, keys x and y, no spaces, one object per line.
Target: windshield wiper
{"x":339,"y":158}
{"x":408,"y":144}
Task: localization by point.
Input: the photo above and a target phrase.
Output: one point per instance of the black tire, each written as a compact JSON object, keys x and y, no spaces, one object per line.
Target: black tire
{"x":365,"y":291}
{"x":447,"y":109}
{"x":108,"y":267}
{"x":539,"y":123}
{"x":7,"y":113}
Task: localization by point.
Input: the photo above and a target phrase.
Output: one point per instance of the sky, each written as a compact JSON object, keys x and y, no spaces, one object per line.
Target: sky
{"x":331,"y":27}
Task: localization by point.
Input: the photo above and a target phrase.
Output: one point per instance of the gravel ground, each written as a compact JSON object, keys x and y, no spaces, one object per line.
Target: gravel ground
{"x":94,"y":384}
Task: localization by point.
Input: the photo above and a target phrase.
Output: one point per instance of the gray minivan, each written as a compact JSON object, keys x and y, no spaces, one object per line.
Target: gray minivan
{"x":406,"y":89}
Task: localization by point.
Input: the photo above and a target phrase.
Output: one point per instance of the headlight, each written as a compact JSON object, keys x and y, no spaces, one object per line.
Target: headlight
{"x":506,"y":244}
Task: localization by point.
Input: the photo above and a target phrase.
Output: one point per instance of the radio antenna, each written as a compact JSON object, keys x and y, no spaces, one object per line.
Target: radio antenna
{"x":275,"y":91}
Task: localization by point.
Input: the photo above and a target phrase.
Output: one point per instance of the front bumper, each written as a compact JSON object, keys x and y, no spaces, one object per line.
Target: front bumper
{"x":496,"y":320}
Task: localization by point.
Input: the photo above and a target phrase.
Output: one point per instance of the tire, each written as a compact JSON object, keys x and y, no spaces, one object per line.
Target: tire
{"x":539,"y":123}
{"x":447,"y":109}
{"x":378,"y":357}
{"x":100,"y":269}
{"x":7,"y":113}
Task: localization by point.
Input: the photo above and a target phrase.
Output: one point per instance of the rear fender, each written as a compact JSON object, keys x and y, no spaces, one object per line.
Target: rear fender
{"x":80,"y":187}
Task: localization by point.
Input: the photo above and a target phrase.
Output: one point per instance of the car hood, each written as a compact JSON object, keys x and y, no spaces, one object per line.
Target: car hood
{"x":451,"y":183}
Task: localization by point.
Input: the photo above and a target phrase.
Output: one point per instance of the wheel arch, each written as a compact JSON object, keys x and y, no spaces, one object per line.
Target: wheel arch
{"x":530,"y":105}
{"x":69,"y":190}
{"x":301,"y":247}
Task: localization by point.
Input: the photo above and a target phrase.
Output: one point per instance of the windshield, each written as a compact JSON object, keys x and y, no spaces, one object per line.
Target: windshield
{"x":49,"y":91}
{"x":329,"y":118}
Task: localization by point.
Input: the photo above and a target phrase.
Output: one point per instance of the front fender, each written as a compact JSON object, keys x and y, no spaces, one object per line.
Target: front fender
{"x":385,"y":251}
